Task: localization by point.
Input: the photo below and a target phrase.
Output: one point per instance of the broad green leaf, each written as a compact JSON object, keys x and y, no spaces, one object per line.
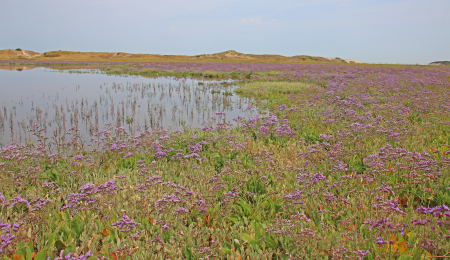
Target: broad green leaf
{"x":249,"y":239}
{"x":405,"y":257}
{"x":69,"y":249}
{"x":76,"y":229}
{"x":368,"y":257}
{"x":40,"y":256}
{"x":29,"y":251}
{"x":257,"y":229}
{"x":187,"y":252}
{"x":60,"y":245}
{"x":51,"y":239}
{"x":22,"y":252}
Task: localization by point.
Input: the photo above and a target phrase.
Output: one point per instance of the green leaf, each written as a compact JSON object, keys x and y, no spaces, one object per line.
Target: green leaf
{"x":112,"y":235}
{"x":411,"y":238}
{"x":257,"y":230}
{"x":76,"y":229}
{"x":249,"y":239}
{"x":20,"y":246}
{"x":417,"y":253}
{"x":234,"y":218}
{"x":40,"y":255}
{"x":167,"y":237}
{"x":187,"y":253}
{"x":51,"y":239}
{"x":225,"y":249}
{"x":30,"y":251}
{"x":368,"y":257}
{"x":22,"y":252}
{"x":69,"y":249}
{"x":67,"y":215}
{"x":80,"y":221}
{"x":405,"y":257}
{"x":60,"y":245}
{"x":270,"y":242}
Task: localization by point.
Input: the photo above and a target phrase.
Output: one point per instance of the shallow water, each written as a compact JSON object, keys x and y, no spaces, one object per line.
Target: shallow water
{"x":92,"y":101}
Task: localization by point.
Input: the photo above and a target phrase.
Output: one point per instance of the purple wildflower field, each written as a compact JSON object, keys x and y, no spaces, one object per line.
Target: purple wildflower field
{"x":347,"y":162}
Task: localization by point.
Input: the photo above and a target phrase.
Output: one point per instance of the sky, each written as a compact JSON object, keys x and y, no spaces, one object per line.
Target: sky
{"x":373,"y":31}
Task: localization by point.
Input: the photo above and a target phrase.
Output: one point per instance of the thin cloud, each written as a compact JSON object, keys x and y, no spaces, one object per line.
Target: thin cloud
{"x":258,"y":21}
{"x":251,"y":20}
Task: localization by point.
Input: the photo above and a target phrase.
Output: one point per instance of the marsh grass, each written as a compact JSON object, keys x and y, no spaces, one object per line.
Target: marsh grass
{"x":270,"y":90}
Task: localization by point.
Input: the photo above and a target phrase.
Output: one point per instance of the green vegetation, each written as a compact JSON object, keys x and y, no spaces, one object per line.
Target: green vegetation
{"x":51,"y":54}
{"x":270,"y":90}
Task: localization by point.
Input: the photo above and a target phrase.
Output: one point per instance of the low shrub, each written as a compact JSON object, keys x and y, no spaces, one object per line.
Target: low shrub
{"x":51,"y":54}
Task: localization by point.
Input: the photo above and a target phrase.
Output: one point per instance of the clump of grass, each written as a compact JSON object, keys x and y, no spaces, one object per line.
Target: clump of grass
{"x":267,"y":90}
{"x":51,"y":54}
{"x":227,"y":93}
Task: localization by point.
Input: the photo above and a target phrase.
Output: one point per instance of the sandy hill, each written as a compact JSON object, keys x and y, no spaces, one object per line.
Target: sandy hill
{"x":227,"y":56}
{"x":439,"y":63}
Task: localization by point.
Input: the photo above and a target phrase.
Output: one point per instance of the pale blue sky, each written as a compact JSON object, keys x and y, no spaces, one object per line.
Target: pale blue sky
{"x":375,"y":31}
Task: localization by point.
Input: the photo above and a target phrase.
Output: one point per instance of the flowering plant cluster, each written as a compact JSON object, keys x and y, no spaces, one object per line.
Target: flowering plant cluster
{"x":353,"y":162}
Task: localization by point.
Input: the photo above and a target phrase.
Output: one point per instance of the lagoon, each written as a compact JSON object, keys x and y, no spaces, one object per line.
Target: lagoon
{"x":90,"y":101}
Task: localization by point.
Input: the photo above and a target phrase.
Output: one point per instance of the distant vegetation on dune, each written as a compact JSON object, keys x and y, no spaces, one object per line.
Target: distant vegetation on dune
{"x":440,"y":63}
{"x":227,"y":56}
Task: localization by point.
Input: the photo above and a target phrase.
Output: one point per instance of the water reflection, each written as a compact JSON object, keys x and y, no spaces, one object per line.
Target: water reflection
{"x":91,"y":101}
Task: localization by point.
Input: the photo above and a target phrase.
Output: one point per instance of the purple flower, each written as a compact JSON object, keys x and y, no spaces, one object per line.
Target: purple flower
{"x":71,"y":256}
{"x":88,"y":188}
{"x":129,"y":154}
{"x":160,"y":154}
{"x":294,"y":197}
{"x":169,"y":199}
{"x":390,"y":205}
{"x":125,"y":224}
{"x":191,"y":155}
{"x":360,"y":254}
{"x":416,"y":222}
{"x":78,"y":157}
{"x":17,"y":200}
{"x":263,"y":129}
{"x":39,"y":204}
{"x":437,"y":211}
{"x":181,"y":210}
{"x":380,"y":241}
{"x":377,"y":223}
{"x":6,"y":239}
{"x":3,"y":200}
{"x":318,"y":177}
